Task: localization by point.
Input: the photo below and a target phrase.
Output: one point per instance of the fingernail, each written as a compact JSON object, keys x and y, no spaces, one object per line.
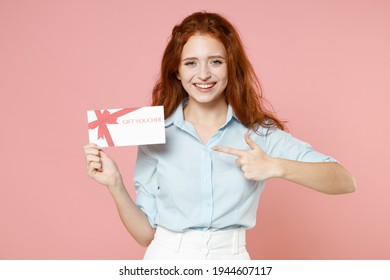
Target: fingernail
{"x":215,"y":148}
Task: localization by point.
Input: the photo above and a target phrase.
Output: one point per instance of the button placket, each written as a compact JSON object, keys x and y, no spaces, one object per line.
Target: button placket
{"x":206,"y":187}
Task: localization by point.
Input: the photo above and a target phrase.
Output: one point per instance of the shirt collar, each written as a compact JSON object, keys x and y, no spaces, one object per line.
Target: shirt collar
{"x":177,"y":117}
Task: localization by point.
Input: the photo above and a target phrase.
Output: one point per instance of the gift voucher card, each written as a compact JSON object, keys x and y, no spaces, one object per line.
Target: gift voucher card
{"x":127,"y":126}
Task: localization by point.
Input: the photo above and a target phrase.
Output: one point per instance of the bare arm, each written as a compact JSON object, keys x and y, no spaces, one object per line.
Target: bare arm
{"x":104,"y":170}
{"x":325,"y":177}
{"x":133,"y":218}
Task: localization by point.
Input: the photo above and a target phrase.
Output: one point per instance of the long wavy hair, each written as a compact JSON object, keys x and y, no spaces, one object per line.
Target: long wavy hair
{"x":243,"y":91}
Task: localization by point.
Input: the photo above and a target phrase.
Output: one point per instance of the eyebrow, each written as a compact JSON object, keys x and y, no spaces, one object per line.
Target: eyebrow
{"x":210,"y":57}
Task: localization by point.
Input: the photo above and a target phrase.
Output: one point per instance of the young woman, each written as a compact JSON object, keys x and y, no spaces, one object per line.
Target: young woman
{"x":198,"y":193}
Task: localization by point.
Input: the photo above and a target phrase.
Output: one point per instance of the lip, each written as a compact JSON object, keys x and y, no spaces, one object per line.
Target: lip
{"x":204,"y":86}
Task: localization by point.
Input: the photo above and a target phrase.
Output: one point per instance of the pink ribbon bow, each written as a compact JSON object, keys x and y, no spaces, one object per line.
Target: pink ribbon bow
{"x":107,"y":118}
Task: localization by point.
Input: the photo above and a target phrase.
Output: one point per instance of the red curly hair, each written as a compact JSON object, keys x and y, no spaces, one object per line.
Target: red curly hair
{"x":243,"y":91}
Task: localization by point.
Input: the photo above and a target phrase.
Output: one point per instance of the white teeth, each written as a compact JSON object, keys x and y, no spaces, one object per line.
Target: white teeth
{"x":204,"y":85}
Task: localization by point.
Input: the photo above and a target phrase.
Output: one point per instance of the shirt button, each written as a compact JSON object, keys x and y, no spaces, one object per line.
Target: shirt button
{"x":205,"y":178}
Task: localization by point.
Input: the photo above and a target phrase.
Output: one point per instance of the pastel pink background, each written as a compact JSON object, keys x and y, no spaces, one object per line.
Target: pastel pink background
{"x":324,"y":66}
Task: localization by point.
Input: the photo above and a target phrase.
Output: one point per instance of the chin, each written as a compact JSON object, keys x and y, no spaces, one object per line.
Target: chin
{"x":205,"y":100}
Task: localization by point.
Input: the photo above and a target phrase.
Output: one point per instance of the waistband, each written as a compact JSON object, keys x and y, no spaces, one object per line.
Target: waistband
{"x":230,"y":241}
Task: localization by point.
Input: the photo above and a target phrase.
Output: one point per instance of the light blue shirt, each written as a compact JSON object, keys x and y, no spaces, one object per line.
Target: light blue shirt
{"x":185,"y":184}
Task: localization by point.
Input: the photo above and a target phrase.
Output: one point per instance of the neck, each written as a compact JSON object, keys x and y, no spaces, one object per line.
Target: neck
{"x":198,"y":113}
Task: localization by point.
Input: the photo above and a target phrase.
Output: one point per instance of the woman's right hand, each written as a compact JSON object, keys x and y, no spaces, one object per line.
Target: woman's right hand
{"x":101,"y":167}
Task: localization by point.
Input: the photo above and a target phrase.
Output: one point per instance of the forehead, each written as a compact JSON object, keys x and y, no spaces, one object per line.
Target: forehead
{"x":201,"y":45}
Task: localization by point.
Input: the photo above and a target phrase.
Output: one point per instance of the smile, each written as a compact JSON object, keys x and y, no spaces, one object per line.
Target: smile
{"x":204,"y":86}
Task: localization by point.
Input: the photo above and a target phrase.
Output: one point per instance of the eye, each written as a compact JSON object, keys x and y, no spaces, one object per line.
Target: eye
{"x":216,"y":62}
{"x":189,"y":63}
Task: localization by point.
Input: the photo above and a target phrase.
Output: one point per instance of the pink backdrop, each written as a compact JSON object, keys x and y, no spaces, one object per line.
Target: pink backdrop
{"x":324,"y":65}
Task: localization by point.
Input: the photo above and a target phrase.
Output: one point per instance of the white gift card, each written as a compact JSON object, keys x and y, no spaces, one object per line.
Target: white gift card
{"x":127,"y":126}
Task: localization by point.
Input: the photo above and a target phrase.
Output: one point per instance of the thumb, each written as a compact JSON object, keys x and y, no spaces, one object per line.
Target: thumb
{"x":103,"y":155}
{"x":250,"y":142}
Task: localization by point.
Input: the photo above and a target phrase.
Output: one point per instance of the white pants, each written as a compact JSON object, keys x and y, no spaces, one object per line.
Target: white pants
{"x":199,"y":245}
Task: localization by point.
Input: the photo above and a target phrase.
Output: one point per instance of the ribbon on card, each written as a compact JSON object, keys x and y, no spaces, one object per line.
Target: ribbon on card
{"x":107,"y":118}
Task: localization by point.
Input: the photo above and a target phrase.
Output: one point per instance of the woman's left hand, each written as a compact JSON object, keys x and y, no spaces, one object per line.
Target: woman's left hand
{"x":255,"y":163}
{"x":325,"y":177}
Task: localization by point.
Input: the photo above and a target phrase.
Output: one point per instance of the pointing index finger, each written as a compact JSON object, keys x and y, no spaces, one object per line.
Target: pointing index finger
{"x":228,"y":150}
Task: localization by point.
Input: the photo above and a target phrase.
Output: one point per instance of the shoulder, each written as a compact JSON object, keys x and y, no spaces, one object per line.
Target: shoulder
{"x":273,"y":139}
{"x":268,"y":132}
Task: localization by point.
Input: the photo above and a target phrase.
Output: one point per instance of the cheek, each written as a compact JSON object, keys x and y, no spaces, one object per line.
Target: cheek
{"x":224,"y":78}
{"x":222,"y":74}
{"x":187,"y":76}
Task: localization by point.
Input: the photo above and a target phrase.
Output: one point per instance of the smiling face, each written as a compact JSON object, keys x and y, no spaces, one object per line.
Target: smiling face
{"x":203,"y":70}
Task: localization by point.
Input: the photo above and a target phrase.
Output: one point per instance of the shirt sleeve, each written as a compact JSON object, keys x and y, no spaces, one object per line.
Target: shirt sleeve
{"x":281,"y":144}
{"x":145,"y":183}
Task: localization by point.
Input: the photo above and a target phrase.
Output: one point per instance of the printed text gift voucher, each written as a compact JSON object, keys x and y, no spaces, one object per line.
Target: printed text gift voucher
{"x":127,"y":126}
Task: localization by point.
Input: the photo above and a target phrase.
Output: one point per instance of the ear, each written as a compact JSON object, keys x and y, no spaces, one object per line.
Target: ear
{"x":178,"y":76}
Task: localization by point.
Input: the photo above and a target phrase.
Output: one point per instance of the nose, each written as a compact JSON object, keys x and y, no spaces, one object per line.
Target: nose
{"x":204,"y":72}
